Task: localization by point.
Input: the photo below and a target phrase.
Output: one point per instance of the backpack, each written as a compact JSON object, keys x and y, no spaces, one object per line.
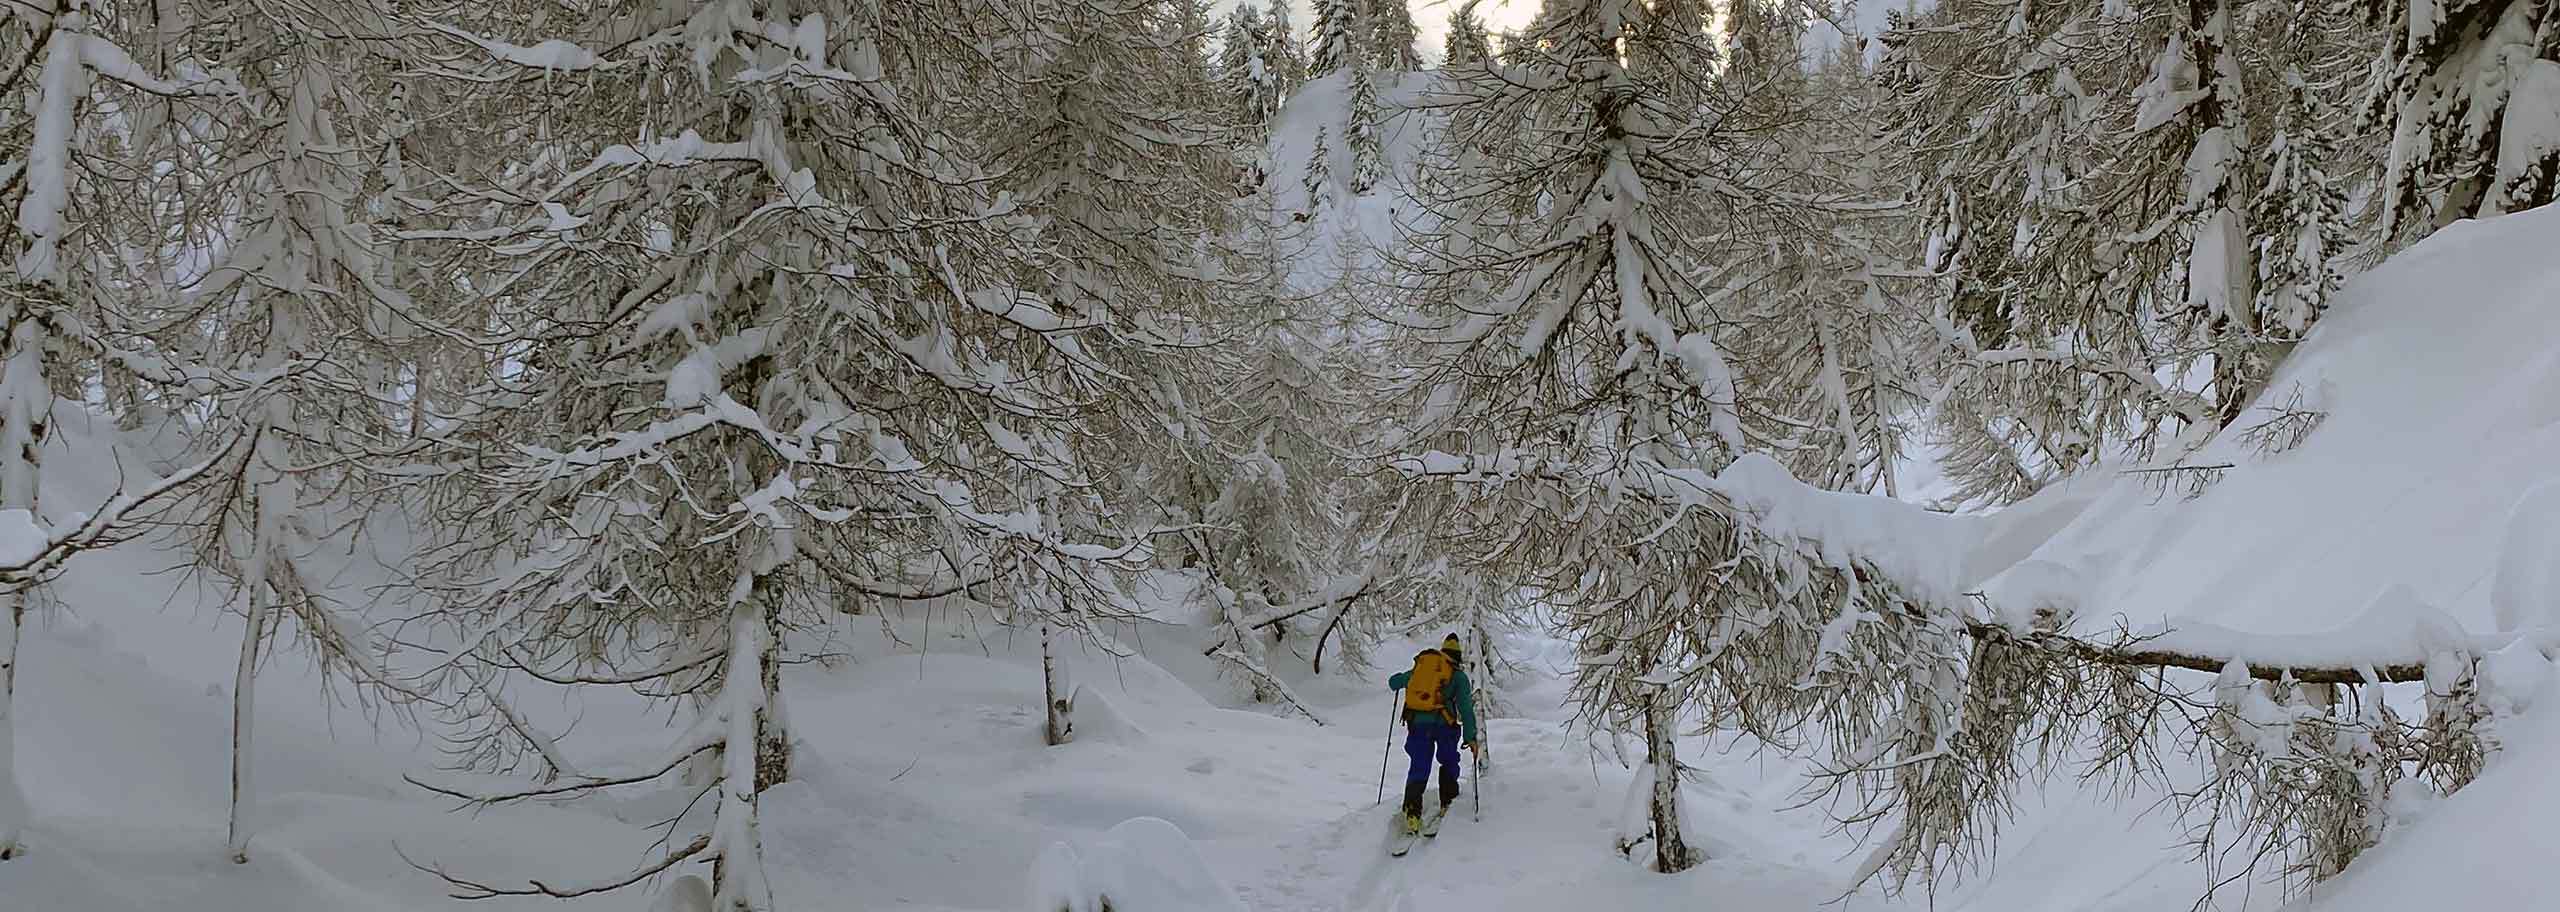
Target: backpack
{"x":1426,"y":688}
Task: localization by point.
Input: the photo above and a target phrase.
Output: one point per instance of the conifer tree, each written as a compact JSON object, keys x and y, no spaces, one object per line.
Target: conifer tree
{"x":1391,"y":38}
{"x":1364,"y":128}
{"x":1285,"y":55}
{"x":1341,"y":37}
{"x":2467,"y":99}
{"x":1466,"y":45}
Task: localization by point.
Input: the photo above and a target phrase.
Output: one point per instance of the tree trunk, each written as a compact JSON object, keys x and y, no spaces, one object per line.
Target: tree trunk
{"x":1670,"y":852}
{"x":244,"y":689}
{"x":26,"y":402}
{"x":13,"y":804}
{"x":1054,"y":685}
{"x":748,"y":762}
{"x":773,"y":729}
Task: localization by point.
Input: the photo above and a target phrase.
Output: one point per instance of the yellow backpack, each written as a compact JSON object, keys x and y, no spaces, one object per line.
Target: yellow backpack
{"x":1426,"y":688}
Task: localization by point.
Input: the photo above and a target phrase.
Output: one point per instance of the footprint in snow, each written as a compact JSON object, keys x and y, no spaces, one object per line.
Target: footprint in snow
{"x":1204,"y":766}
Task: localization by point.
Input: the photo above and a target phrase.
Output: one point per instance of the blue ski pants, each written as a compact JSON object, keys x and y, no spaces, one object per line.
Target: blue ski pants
{"x":1424,"y":738}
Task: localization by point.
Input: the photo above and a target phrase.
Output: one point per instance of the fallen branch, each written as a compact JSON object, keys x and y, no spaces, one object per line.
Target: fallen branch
{"x":1264,"y":679}
{"x":584,"y":784}
{"x":1274,"y":616}
{"x":474,"y":890}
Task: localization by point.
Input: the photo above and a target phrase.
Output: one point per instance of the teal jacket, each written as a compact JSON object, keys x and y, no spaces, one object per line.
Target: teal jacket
{"x":1462,"y":695}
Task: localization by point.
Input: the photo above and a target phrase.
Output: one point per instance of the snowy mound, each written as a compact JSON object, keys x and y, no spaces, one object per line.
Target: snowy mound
{"x":1142,"y":865}
{"x":2431,"y":396}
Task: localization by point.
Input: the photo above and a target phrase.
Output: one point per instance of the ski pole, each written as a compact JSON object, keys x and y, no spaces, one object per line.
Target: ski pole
{"x":1387,"y":753}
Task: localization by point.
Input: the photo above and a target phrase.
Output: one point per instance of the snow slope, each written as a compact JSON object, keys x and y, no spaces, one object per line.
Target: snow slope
{"x":1342,"y":231}
{"x":2440,"y":372}
{"x":2420,"y":508}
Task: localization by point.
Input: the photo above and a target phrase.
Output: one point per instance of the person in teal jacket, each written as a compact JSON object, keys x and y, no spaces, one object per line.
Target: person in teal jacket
{"x":1431,"y":735}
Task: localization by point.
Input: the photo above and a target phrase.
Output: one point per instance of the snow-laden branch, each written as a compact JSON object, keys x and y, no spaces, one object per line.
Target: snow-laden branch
{"x":551,"y":56}
{"x":2190,"y":407}
{"x":1341,"y":589}
{"x":1923,"y":552}
{"x":1916,"y":548}
{"x":29,"y":552}
{"x":2196,"y":653}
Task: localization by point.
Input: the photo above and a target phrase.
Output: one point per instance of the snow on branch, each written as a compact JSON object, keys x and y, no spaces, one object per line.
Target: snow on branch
{"x":1343,"y":589}
{"x":29,"y":552}
{"x":1914,"y":547}
{"x":1263,"y":681}
{"x":2196,"y":649}
{"x":2190,"y":407}
{"x":551,"y":56}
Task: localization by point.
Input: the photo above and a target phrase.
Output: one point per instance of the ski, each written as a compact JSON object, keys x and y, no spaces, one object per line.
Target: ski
{"x":1404,"y":842}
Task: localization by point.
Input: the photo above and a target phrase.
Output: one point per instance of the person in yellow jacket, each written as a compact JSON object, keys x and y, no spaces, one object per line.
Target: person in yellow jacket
{"x":1439,"y":711}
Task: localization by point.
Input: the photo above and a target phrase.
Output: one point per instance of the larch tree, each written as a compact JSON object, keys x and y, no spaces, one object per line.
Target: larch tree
{"x":1565,"y":339}
{"x":759,"y":308}
{"x":1124,"y":176}
{"x":62,"y":265}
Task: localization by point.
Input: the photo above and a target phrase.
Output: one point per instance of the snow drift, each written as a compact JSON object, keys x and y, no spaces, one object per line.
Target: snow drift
{"x":2416,"y":512}
{"x":2435,"y":387}
{"x":1142,"y":865}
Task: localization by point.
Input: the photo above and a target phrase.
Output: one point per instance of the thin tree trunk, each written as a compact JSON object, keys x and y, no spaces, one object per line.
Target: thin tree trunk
{"x":13,"y":804}
{"x":1670,"y":851}
{"x":26,"y":402}
{"x":1054,"y":686}
{"x":737,"y":875}
{"x":244,"y":687}
{"x":773,"y":728}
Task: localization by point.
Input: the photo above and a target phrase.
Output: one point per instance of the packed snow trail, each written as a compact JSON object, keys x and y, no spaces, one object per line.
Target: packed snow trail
{"x":1544,"y":843}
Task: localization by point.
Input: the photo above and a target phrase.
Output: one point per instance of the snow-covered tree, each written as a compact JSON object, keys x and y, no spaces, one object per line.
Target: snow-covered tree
{"x":1364,"y":127}
{"x":2471,"y":102}
{"x":61,"y":266}
{"x":1283,"y":53}
{"x":1465,"y":45}
{"x":801,"y":333}
{"x":1561,"y":291}
{"x":2044,"y":205}
{"x":2300,"y":219}
{"x":1391,"y":40}
{"x":1341,"y":36}
{"x":1318,"y":182}
{"x":1243,"y":78}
